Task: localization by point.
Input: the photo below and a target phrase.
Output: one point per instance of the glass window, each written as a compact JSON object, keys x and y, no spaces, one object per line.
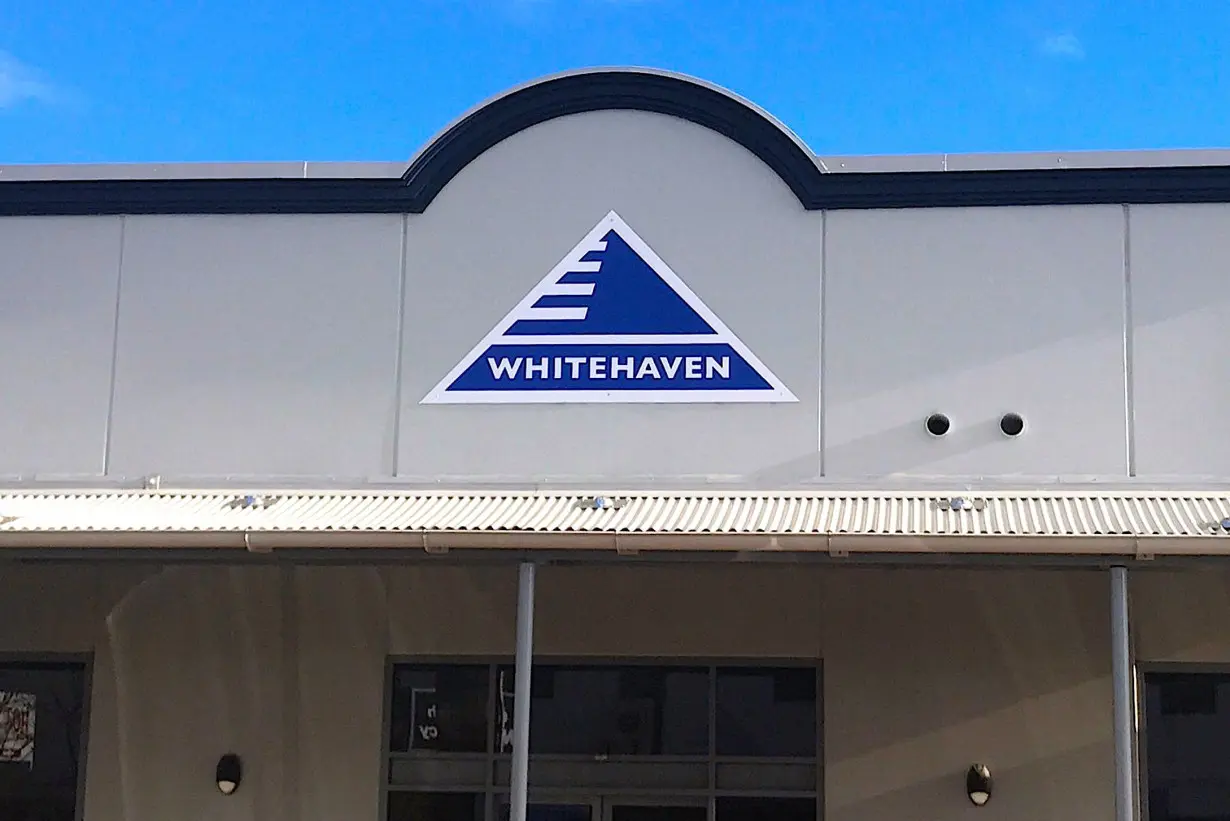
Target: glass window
{"x":41,"y":707}
{"x":549,"y":812}
{"x":1187,"y":726}
{"x":738,"y":808}
{"x":439,"y":708}
{"x":649,"y":812}
{"x":768,"y":712}
{"x":628,"y":710}
{"x":435,"y":806}
{"x":1188,"y":695}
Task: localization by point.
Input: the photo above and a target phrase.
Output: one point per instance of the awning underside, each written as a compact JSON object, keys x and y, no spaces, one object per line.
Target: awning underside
{"x":1122,"y":523}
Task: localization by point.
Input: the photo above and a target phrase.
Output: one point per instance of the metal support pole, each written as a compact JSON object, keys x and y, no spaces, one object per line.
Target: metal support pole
{"x":1121,"y":665}
{"x":521,"y":693}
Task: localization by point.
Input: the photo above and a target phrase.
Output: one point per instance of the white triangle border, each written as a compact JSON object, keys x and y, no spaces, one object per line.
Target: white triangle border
{"x":778,"y":393}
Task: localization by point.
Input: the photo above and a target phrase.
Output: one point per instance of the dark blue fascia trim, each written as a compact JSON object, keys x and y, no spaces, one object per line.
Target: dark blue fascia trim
{"x":1074,"y":186}
{"x":838,"y":191}
{"x":671,"y":95}
{"x":611,"y":90}
{"x":210,"y":196}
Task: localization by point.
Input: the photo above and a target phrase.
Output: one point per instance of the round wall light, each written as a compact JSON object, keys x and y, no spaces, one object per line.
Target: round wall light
{"x":1012,"y":424}
{"x":229,"y":773}
{"x":938,"y":424}
{"x":978,"y":784}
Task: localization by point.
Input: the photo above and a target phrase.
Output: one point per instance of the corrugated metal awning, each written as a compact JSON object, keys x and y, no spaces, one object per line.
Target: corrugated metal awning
{"x":1049,"y":522}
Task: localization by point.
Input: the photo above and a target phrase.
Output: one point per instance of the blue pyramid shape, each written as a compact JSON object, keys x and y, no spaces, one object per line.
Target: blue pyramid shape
{"x":608,"y":325}
{"x":629,"y":298}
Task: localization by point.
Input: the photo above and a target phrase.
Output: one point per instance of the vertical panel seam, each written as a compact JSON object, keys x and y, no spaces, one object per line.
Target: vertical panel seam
{"x":115,"y":351}
{"x":398,"y":355}
{"x":1129,"y":392}
{"x":820,"y":363}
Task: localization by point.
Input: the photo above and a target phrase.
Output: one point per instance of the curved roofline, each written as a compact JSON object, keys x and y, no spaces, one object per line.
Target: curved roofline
{"x":851,"y":183}
{"x":609,"y":89}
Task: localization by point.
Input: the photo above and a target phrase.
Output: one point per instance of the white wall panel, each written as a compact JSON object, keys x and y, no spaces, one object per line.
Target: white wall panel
{"x":975,"y":313}
{"x":1181,"y":333}
{"x":717,"y":215}
{"x":57,"y":326}
{"x":258,"y":345}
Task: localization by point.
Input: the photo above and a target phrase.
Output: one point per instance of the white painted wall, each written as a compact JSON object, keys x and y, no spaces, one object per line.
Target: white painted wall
{"x":257,"y":346}
{"x":975,"y":313}
{"x":297,"y":347}
{"x":57,"y":331}
{"x":1180,"y":331}
{"x":926,"y":671}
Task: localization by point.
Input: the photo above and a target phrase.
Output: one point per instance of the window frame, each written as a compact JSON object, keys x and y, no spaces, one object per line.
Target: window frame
{"x":493,"y":759}
{"x":1140,"y":742}
{"x":84,"y":661}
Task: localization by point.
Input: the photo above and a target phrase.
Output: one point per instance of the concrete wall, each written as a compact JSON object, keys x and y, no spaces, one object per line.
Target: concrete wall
{"x":926,"y":671}
{"x":300,"y":346}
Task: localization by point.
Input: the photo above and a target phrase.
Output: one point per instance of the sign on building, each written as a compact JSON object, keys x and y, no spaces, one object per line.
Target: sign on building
{"x":17,"y":728}
{"x":610,"y":323}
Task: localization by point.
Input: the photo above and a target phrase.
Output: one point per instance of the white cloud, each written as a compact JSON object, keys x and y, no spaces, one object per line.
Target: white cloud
{"x":20,"y":82}
{"x":1065,"y":45}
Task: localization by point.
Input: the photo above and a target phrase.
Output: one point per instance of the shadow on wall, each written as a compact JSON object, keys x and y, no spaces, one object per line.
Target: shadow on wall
{"x":263,"y":662}
{"x":938,"y":648}
{"x":451,"y":610}
{"x":1181,"y":616}
{"x":927,"y":672}
{"x":1073,"y":785}
{"x":681,"y":610}
{"x":903,"y":439}
{"x":198,"y":660}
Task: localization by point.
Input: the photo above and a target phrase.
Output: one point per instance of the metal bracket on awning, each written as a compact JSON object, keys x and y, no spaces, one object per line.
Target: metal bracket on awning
{"x":622,"y":549}
{"x":962,"y":503}
{"x":431,"y":548}
{"x":251,"y":548}
{"x":252,"y":502}
{"x":601,"y":503}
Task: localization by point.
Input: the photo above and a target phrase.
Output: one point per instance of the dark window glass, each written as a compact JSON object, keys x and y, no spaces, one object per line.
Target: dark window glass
{"x":1187,"y":727}
{"x":550,"y":812}
{"x":41,"y":707}
{"x":766,"y":809}
{"x":636,"y":812}
{"x":435,"y":806}
{"x":1189,"y":695}
{"x":768,"y":712}
{"x":630,"y":710}
{"x":439,"y":708}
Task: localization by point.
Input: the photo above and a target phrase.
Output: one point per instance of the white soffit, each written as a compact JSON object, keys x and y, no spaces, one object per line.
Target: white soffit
{"x":1000,"y":522}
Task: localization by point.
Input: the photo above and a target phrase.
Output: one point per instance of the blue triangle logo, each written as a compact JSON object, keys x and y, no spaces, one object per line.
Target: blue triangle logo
{"x":610,"y":323}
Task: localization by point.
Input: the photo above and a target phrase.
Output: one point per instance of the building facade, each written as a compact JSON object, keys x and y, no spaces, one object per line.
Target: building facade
{"x":790,"y":487}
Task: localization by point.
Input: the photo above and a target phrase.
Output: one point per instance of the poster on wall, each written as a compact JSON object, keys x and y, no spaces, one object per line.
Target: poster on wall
{"x":17,"y":728}
{"x":610,"y":323}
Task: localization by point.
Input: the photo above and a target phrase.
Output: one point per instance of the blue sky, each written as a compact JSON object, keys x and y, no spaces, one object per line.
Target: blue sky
{"x":156,"y":80}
